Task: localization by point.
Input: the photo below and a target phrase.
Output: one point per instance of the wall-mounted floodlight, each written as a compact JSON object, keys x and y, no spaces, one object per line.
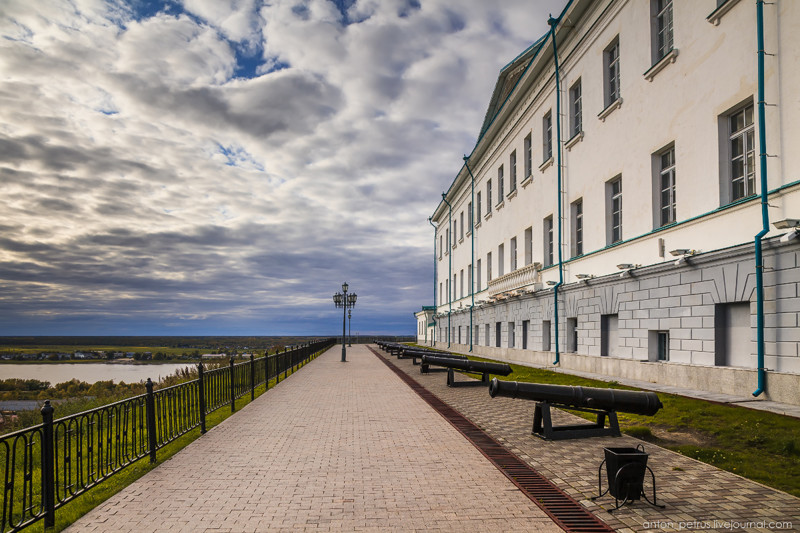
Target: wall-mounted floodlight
{"x":625,"y":266}
{"x":551,"y":282}
{"x":584,"y":276}
{"x":792,"y":224}
{"x":682,"y":254}
{"x":786,"y":223}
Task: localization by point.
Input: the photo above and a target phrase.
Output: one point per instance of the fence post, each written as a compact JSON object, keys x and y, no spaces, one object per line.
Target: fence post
{"x":150,"y":407}
{"x":266,"y":370}
{"x":285,"y":366}
{"x":252,"y":377}
{"x":233,"y":391}
{"x":48,"y":466}
{"x":201,"y":397}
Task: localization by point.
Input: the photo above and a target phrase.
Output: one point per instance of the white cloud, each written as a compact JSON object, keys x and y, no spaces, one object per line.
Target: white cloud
{"x":143,"y":177}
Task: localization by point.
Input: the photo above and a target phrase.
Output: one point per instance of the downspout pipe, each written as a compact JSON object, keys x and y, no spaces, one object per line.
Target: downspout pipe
{"x":553,"y":22}
{"x":435,"y":275}
{"x":450,"y":287}
{"x":472,"y":231}
{"x":762,"y":147}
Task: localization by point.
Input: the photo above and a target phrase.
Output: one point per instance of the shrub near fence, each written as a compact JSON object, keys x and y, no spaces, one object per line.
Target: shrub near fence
{"x":48,"y":465}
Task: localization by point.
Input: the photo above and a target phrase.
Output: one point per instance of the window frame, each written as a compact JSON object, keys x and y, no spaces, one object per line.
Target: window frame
{"x":611,"y":73}
{"x":512,"y":171}
{"x":659,"y":173}
{"x":614,"y":210}
{"x":575,"y":109}
{"x":576,"y":227}
{"x":528,"y":148}
{"x":726,"y":156}
{"x":663,"y":25}
{"x":547,"y":136}
{"x":549,"y":247}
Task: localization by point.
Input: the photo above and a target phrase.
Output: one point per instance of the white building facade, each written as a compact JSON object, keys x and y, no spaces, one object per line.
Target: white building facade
{"x":608,"y":215}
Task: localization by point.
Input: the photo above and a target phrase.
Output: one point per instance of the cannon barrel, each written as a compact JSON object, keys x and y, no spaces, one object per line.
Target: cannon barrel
{"x":422,"y":353}
{"x":468,"y":365}
{"x":626,"y":401}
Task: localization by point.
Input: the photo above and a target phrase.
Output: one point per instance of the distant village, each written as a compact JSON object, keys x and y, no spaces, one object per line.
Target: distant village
{"x":100,"y":355}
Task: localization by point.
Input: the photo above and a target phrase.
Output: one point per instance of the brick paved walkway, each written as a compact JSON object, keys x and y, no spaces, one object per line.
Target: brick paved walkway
{"x":335,"y":447}
{"x":699,"y":497}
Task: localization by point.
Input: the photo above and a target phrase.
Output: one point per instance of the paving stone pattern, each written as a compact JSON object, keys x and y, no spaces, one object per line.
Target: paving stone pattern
{"x":335,"y":447}
{"x":698,"y":497}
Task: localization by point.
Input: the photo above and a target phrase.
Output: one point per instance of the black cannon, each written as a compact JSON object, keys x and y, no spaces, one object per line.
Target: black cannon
{"x":603,"y":402}
{"x":416,"y":353}
{"x":476,"y":367}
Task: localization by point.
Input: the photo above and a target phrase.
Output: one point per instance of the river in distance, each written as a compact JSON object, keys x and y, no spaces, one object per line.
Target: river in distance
{"x":89,"y":372}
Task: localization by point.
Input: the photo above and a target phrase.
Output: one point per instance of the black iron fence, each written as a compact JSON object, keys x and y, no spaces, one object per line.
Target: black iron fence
{"x":48,"y":465}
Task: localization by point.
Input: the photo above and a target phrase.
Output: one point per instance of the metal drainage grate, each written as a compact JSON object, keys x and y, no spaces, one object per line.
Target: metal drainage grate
{"x":562,"y":508}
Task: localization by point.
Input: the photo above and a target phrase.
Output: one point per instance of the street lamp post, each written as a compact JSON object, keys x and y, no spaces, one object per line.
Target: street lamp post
{"x":345,"y":301}
{"x":349,"y":327}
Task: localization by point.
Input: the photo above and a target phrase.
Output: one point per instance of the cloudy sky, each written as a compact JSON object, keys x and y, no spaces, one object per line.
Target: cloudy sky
{"x":222,"y":166}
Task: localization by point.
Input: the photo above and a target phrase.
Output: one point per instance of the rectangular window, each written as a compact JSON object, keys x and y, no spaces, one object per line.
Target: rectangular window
{"x":511,"y":334}
{"x":497,"y":333}
{"x":614,"y":210}
{"x":528,"y":155}
{"x":525,"y":325}
{"x":742,"y":153}
{"x":469,"y":280}
{"x":447,"y":250}
{"x":455,"y":232}
{"x":512,"y":172}
{"x":577,"y":227}
{"x":470,"y":217}
{"x":501,"y":249}
{"x":441,"y":245}
{"x":611,"y":71}
{"x":489,"y":196}
{"x":665,"y":187}
{"x":500,"y":184}
{"x":548,"y":241}
{"x":441,"y":294}
{"x":448,"y":290}
{"x":575,"y":119}
{"x":461,"y":219}
{"x":475,"y":338}
{"x":459,"y":334}
{"x":513,"y":254}
{"x":547,"y":132}
{"x":662,"y":11}
{"x":488,"y":268}
{"x":488,"y":333}
{"x":528,"y":246}
{"x":455,"y":286}
{"x":572,"y":335}
{"x":478,"y":206}
{"x":461,"y":285}
{"x":663,"y":346}
{"x":609,"y":335}
{"x":478,"y":275}
{"x":545,"y":335}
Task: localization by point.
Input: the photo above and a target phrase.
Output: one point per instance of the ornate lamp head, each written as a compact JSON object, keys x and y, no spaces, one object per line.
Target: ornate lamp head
{"x":344,"y":286}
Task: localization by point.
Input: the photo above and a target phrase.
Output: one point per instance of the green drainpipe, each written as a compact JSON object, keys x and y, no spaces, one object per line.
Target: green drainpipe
{"x":435,"y":279}
{"x":450,"y":287}
{"x":472,"y":230}
{"x":553,"y":22}
{"x":762,"y":147}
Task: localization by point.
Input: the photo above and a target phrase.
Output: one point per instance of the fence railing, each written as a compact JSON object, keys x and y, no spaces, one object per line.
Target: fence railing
{"x":46,"y":466}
